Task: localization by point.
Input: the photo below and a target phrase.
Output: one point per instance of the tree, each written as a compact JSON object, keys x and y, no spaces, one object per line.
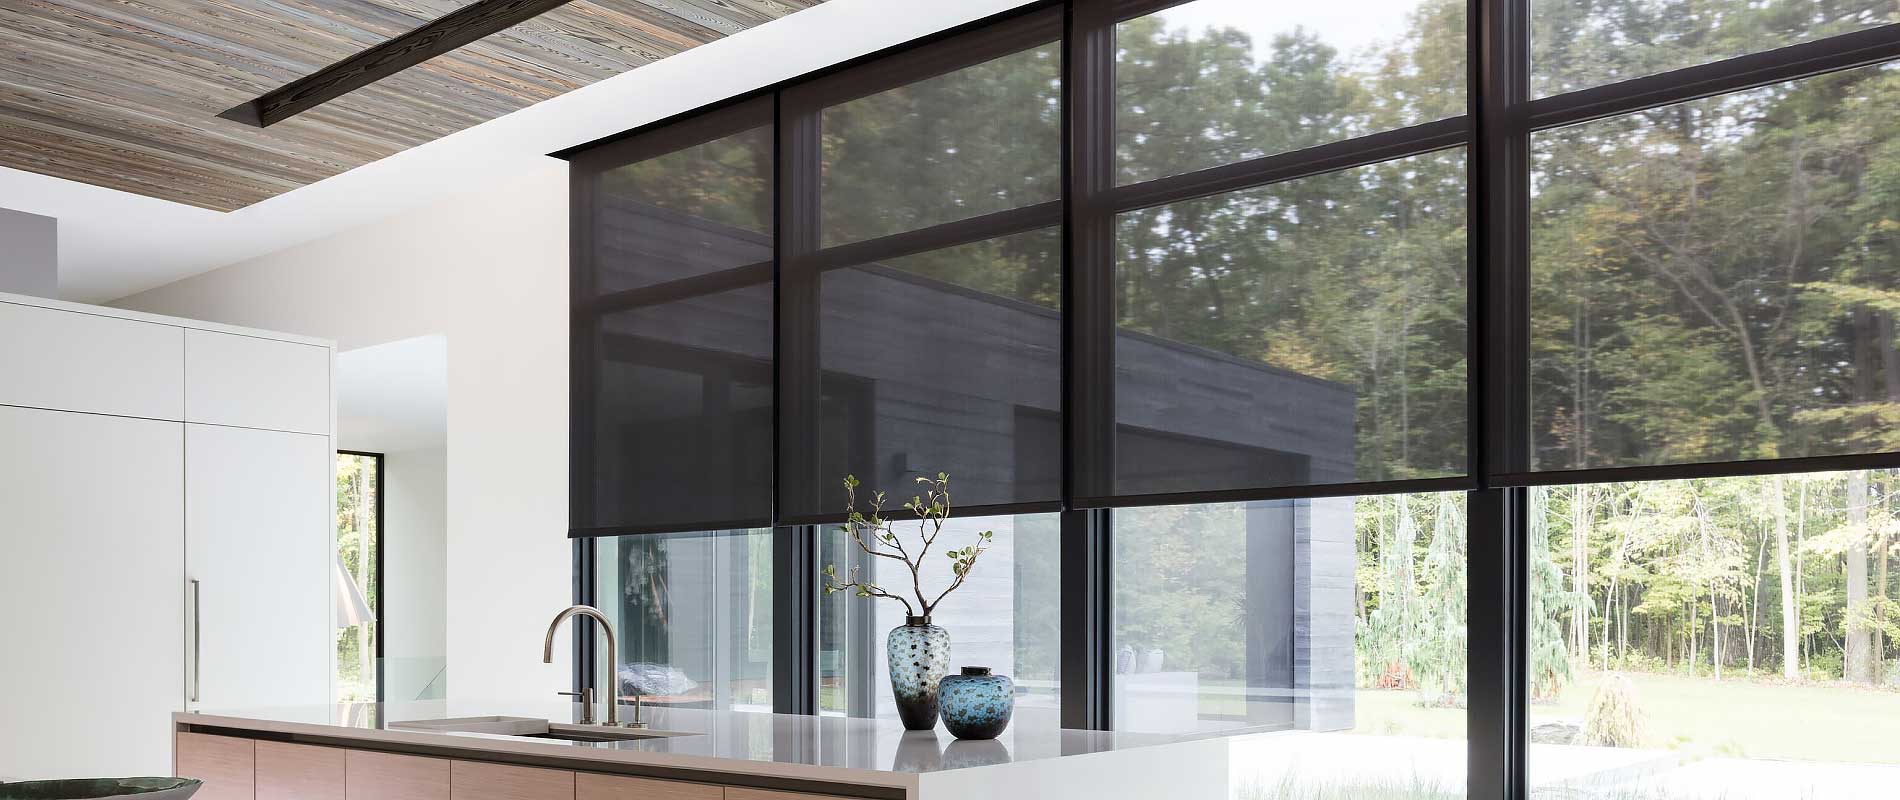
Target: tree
{"x":1858,"y":664}
{"x":1784,"y":566}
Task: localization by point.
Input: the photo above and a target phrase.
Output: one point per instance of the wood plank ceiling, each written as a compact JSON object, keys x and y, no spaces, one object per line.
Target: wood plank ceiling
{"x":125,"y":93}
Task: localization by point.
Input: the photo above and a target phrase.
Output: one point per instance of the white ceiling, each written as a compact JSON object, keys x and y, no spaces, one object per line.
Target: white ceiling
{"x":393,"y":397}
{"x":114,"y":244}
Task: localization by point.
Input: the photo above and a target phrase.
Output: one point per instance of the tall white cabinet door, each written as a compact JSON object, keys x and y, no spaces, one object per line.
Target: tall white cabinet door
{"x":92,"y":600}
{"x":257,"y":531}
{"x":251,"y":382}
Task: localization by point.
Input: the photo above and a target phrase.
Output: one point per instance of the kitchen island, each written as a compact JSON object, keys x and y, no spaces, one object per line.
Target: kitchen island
{"x":461,"y":750}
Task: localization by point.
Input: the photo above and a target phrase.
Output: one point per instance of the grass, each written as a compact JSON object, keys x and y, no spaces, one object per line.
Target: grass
{"x":1737,"y":717}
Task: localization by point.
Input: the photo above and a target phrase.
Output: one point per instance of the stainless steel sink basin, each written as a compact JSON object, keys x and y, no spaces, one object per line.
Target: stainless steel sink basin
{"x":531,"y":728}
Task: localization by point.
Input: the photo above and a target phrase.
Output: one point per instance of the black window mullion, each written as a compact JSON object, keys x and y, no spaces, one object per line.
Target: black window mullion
{"x":799,"y":377}
{"x":1089,"y":252}
{"x":795,"y":620}
{"x":994,"y":225}
{"x":1831,"y":54}
{"x":1088,"y":649}
{"x":1500,"y":206}
{"x":1499,"y":311}
{"x":1495,"y":671}
{"x":1282,"y":167}
{"x":1087,"y":663}
{"x":586,"y":590}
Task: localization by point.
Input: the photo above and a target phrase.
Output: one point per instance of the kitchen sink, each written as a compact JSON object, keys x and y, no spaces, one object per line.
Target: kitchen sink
{"x":531,"y":728}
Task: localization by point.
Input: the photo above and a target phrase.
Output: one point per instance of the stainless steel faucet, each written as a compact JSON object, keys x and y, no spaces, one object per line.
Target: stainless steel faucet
{"x":613,"y":660}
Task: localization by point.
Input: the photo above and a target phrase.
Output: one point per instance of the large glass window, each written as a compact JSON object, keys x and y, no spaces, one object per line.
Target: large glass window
{"x":1217,"y":81}
{"x":358,"y":576}
{"x":1338,"y":622}
{"x":1005,"y":617}
{"x":1305,"y":332}
{"x":980,"y":139}
{"x":921,"y":317}
{"x":673,"y":328}
{"x":1715,"y":638}
{"x":956,"y":358}
{"x":1717,"y":280}
{"x":695,"y":211}
{"x":693,"y":612}
{"x":1578,"y":44}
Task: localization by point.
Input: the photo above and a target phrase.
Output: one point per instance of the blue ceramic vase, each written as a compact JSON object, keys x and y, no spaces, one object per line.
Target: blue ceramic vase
{"x":919,"y":655}
{"x":976,"y":704}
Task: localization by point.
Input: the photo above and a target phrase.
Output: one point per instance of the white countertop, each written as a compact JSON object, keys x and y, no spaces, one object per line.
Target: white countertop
{"x":832,"y":749}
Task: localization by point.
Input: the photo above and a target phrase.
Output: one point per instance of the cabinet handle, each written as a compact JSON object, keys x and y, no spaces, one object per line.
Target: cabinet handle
{"x":197,"y":639}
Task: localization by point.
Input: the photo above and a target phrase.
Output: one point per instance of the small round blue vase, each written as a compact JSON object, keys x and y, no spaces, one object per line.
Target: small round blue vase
{"x":976,"y":704}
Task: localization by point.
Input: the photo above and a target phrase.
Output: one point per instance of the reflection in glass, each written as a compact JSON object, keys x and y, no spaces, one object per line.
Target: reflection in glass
{"x":1306,"y":332}
{"x":691,"y":379}
{"x":1212,"y":82}
{"x":681,"y":370}
{"x":1338,"y":623}
{"x":981,"y":139}
{"x":1717,"y":280}
{"x":1732,"y":636}
{"x":1577,"y":44}
{"x":688,"y":213}
{"x":948,"y":361}
{"x":1005,"y":617}
{"x":694,"y":615}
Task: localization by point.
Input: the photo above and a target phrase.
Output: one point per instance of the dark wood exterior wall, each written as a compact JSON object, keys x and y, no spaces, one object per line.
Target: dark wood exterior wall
{"x":874,"y":315}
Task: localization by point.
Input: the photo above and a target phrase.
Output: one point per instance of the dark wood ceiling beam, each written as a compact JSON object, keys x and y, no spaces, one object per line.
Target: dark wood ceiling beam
{"x":454,"y":29}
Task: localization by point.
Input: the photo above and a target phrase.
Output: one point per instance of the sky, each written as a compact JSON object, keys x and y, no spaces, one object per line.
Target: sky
{"x":1349,"y":25}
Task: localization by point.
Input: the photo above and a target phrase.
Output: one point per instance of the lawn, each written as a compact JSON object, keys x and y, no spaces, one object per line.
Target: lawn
{"x":1740,"y":717}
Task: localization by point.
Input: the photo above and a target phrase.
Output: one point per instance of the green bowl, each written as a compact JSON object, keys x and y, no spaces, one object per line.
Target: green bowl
{"x":93,"y":788}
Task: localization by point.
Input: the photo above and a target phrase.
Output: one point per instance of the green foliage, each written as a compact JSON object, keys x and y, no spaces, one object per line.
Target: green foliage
{"x":1615,"y":717}
{"x":357,"y":487}
{"x":877,"y":538}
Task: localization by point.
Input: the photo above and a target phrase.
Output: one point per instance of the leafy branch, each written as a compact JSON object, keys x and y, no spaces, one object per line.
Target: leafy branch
{"x":876,"y":536}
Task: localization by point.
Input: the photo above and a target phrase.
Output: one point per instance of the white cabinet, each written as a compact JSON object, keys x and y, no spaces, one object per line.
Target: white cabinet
{"x":253,"y":382}
{"x":70,"y":361}
{"x":258,"y":544}
{"x":92,"y":602}
{"x":111,"y":502}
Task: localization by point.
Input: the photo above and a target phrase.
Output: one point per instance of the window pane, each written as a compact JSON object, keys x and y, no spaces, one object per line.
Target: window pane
{"x":1307,"y":332}
{"x":948,"y":361}
{"x":1577,"y":44}
{"x":690,"y":379}
{"x":693,"y":612}
{"x":359,"y":514}
{"x":1717,"y":280}
{"x":688,"y":213}
{"x":683,"y":369}
{"x":1217,"y":81}
{"x":1337,"y":622}
{"x":981,"y":139}
{"x":1720,"y":638}
{"x":1005,"y":617}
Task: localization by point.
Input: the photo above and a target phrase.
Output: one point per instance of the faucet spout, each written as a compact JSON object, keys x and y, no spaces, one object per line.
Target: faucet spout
{"x":612,"y":690}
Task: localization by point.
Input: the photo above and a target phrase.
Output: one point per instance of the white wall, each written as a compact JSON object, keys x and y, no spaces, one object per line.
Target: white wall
{"x":488,"y":271}
{"x":415,"y":576}
{"x":29,"y":254}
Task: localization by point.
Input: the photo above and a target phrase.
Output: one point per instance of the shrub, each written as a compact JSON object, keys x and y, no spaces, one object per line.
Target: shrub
{"x":1615,"y":716}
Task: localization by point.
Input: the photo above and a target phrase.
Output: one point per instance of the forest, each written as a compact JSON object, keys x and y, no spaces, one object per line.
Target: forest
{"x":1710,"y":281}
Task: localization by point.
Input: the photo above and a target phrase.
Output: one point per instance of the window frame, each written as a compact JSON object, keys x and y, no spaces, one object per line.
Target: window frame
{"x":1500,"y":118}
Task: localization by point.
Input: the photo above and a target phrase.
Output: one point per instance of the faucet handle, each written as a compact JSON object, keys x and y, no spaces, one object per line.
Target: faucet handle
{"x":586,"y":697}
